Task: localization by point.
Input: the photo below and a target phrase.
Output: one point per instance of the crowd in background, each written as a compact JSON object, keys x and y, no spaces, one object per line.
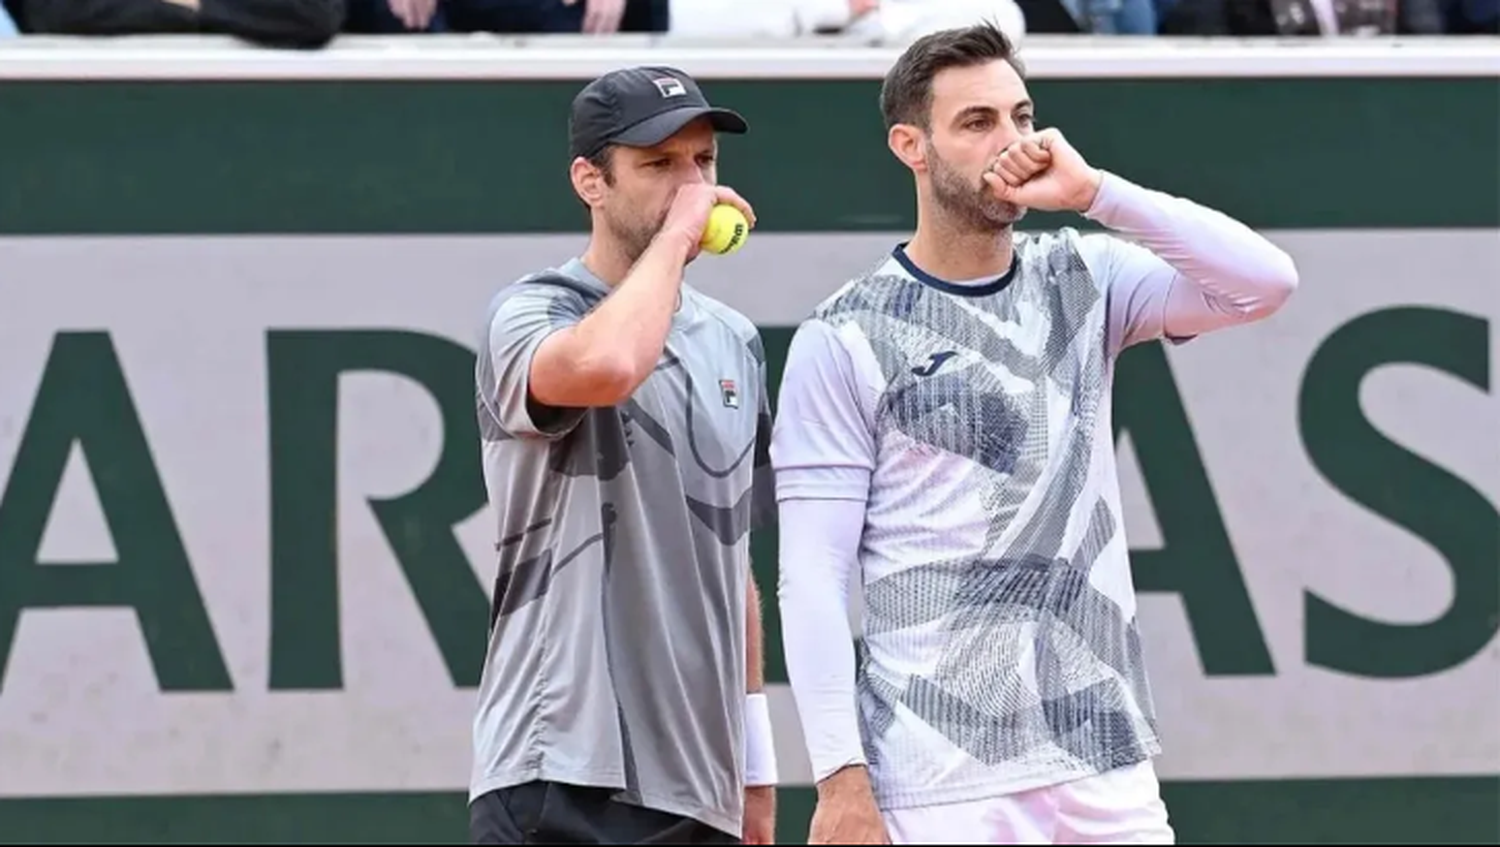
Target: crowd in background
{"x":314,"y":23}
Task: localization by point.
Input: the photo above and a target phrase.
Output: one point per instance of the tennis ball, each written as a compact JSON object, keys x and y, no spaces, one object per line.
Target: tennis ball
{"x":726,"y":231}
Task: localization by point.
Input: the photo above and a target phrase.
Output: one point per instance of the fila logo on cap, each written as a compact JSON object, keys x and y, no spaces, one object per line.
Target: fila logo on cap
{"x":669,"y":87}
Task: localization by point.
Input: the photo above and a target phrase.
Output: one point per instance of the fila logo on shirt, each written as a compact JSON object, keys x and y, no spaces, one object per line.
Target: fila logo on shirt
{"x":730,"y":393}
{"x":669,"y":86}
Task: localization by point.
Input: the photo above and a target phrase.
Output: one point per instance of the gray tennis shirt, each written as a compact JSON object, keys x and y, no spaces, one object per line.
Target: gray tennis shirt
{"x":617,"y":644}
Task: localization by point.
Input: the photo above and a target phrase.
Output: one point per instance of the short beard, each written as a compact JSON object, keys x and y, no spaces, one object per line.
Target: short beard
{"x":972,"y":206}
{"x":632,"y":233}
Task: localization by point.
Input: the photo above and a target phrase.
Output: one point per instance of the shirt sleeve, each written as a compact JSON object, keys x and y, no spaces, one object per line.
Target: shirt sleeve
{"x":823,"y":444}
{"x":819,"y":548}
{"x":523,"y":319}
{"x":1181,"y":269}
{"x":823,"y":451}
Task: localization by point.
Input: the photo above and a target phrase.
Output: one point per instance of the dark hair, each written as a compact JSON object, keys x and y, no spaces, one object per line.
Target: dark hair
{"x":906,"y":94}
{"x":604,"y":160}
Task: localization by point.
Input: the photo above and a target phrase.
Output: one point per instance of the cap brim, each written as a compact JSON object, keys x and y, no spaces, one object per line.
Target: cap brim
{"x":655,"y":130}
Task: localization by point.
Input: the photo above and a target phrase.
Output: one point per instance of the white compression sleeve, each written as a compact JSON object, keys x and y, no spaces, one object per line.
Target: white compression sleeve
{"x":819,"y":546}
{"x":1192,"y":269}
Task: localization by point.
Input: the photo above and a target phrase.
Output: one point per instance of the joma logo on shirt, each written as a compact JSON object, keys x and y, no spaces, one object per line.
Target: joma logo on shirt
{"x":934,"y":362}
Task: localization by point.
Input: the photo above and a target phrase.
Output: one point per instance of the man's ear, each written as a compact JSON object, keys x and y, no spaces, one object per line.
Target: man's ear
{"x":906,"y":141}
{"x":588,"y":181}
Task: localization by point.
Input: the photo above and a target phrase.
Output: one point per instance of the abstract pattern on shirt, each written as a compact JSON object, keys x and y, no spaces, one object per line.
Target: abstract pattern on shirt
{"x":1001,"y":650}
{"x":617,"y":633}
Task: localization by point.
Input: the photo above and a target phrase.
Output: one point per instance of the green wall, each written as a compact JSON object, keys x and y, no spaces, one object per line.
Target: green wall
{"x":490,"y":157}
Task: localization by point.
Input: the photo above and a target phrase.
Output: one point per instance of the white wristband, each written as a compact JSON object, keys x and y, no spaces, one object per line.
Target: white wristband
{"x":760,"y":745}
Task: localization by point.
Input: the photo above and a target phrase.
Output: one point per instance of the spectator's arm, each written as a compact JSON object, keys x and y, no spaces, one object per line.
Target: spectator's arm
{"x":108,"y":17}
{"x":829,"y":15}
{"x":280,"y":23}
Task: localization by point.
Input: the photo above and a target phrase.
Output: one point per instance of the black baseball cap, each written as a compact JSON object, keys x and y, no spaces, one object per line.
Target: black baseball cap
{"x":640,"y":107}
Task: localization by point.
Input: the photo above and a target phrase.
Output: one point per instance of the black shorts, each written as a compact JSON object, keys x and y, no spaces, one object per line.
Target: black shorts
{"x":558,"y":813}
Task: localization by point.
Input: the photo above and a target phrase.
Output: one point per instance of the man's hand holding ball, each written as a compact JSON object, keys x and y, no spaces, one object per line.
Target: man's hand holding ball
{"x":726,"y":230}
{"x":712,"y":217}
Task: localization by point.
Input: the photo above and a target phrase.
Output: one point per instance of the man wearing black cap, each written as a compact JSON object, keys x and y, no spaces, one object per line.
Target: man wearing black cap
{"x":625,"y":423}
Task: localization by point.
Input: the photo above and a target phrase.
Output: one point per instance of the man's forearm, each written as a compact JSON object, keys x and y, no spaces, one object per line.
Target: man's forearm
{"x":603,"y":359}
{"x":1240,"y":269}
{"x":760,"y":740}
{"x":630,"y":326}
{"x":755,"y":666}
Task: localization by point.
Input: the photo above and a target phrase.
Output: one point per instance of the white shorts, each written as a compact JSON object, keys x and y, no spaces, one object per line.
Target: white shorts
{"x":1122,"y":806}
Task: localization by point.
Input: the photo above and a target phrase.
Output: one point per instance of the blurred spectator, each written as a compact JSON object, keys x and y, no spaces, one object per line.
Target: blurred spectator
{"x":1304,"y":17}
{"x":903,"y":21}
{"x":1048,"y":16}
{"x":1472,"y":17}
{"x":758,"y":19}
{"x":1114,"y":17}
{"x":600,"y":17}
{"x":13,"y":9}
{"x":888,"y":21}
{"x":271,"y":23}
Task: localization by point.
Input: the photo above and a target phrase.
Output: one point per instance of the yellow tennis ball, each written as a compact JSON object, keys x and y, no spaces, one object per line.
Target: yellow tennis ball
{"x":726,"y":231}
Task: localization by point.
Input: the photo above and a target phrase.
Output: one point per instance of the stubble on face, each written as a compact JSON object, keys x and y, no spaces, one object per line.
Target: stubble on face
{"x":969,"y":203}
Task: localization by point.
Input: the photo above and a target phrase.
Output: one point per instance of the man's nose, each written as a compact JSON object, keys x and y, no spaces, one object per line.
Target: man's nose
{"x":1006,"y":135}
